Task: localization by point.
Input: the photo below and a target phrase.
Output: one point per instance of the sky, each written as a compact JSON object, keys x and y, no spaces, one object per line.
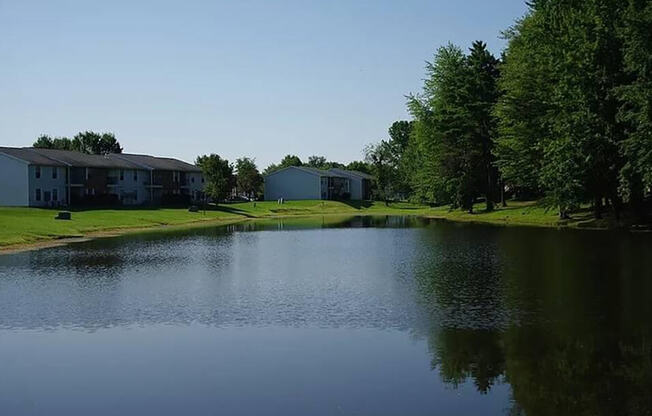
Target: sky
{"x":254,"y":78}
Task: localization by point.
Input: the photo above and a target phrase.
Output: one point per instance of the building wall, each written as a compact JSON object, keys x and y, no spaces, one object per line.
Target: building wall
{"x":47,"y":184}
{"x":355,"y":188}
{"x":195,"y":184}
{"x":292,"y":184}
{"x":131,"y":189}
{"x":13,"y":182}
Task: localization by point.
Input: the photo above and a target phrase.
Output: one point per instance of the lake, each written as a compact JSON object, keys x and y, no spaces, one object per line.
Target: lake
{"x":331,"y":316}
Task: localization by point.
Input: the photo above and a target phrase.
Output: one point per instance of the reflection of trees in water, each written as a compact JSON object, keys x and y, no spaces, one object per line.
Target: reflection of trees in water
{"x":562,"y":317}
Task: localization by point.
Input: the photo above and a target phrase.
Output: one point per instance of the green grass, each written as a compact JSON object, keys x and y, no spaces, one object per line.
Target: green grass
{"x":25,"y":226}
{"x":516,"y":213}
{"x":28,"y":225}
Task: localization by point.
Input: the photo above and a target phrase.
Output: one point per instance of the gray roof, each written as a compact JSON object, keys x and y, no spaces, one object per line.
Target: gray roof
{"x":54,"y":157}
{"x":346,"y":172}
{"x":156,"y":163}
{"x":30,"y":156}
{"x":83,"y":160}
{"x":312,"y":171}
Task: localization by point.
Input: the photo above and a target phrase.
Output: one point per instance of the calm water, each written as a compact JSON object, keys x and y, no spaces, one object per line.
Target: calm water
{"x":357,"y":316}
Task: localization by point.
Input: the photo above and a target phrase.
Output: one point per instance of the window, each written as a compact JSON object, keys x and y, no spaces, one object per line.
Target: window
{"x":55,"y":194}
{"x":192,"y":179}
{"x":38,"y":174}
{"x":135,"y":175}
{"x":122,"y":174}
{"x":46,"y":196}
{"x":38,"y":194}
{"x":55,"y":172}
{"x":136,"y":196}
{"x":202,"y":179}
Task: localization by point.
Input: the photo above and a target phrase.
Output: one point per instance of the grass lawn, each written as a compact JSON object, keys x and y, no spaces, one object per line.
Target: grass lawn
{"x":25,"y":226}
{"x":515,"y":213}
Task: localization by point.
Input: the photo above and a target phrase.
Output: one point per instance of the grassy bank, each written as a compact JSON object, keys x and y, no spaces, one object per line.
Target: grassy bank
{"x":26,"y":226}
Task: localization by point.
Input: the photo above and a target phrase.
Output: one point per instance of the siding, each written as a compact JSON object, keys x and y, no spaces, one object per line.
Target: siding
{"x":47,"y":184}
{"x":355,"y":188}
{"x":292,"y":184}
{"x":13,"y":182}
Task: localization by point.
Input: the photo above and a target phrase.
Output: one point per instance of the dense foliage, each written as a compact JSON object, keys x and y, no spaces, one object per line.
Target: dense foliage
{"x":565,"y":114}
{"x":248,"y":180}
{"x":218,"y":174}
{"x":85,"y":142}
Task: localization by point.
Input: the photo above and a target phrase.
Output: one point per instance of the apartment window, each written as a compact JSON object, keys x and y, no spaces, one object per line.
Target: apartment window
{"x":55,"y":194}
{"x":38,"y":194}
{"x":192,"y":179}
{"x":135,"y":176}
{"x":38,"y":173}
{"x":55,"y":173}
{"x":122,"y":174}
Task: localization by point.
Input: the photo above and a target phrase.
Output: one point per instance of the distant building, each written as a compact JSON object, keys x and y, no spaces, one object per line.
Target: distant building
{"x":300,"y":182}
{"x":360,"y":183}
{"x":48,"y":177}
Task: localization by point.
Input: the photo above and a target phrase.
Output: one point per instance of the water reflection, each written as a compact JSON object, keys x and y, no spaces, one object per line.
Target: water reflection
{"x":562,"y":318}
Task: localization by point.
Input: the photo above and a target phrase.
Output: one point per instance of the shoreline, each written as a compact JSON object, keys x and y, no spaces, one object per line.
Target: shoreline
{"x":526,"y":214}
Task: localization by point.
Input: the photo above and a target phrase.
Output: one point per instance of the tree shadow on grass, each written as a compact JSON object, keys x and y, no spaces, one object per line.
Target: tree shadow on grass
{"x":358,"y":204}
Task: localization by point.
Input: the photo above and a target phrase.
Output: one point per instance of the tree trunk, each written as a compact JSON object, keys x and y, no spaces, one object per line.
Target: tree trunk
{"x":597,"y":207}
{"x":490,"y":204}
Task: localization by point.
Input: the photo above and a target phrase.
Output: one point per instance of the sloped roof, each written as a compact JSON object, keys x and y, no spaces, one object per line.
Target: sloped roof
{"x":351,"y":173}
{"x":156,"y":163}
{"x":55,"y":157}
{"x":78,"y":159}
{"x":30,"y":156}
{"x":312,"y":171}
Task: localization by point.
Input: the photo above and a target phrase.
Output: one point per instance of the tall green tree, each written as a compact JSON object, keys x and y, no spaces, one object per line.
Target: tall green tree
{"x":96,"y":143}
{"x":359,"y":166}
{"x":85,"y":142}
{"x":287,"y":161}
{"x":248,"y":179}
{"x":524,"y":107}
{"x":218,"y":173}
{"x":636,"y":105}
{"x":483,"y":95}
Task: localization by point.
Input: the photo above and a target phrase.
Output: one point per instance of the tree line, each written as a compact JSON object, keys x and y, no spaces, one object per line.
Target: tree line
{"x":86,"y":142}
{"x":563,"y":115}
{"x":243,"y":178}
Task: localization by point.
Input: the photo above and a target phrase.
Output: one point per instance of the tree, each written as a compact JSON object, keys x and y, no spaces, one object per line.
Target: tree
{"x":248,"y":179}
{"x":290,"y":160}
{"x":483,"y":95}
{"x":218,"y":174}
{"x":318,"y":162}
{"x":635,"y":109}
{"x":359,"y":166}
{"x":287,"y":161}
{"x":559,"y":124}
{"x":96,"y":143}
{"x":43,"y":142}
{"x":523,"y":109}
{"x":378,"y":156}
{"x":86,"y":142}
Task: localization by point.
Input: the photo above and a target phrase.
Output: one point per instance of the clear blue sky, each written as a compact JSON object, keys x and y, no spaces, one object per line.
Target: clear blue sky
{"x":238,"y":78}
